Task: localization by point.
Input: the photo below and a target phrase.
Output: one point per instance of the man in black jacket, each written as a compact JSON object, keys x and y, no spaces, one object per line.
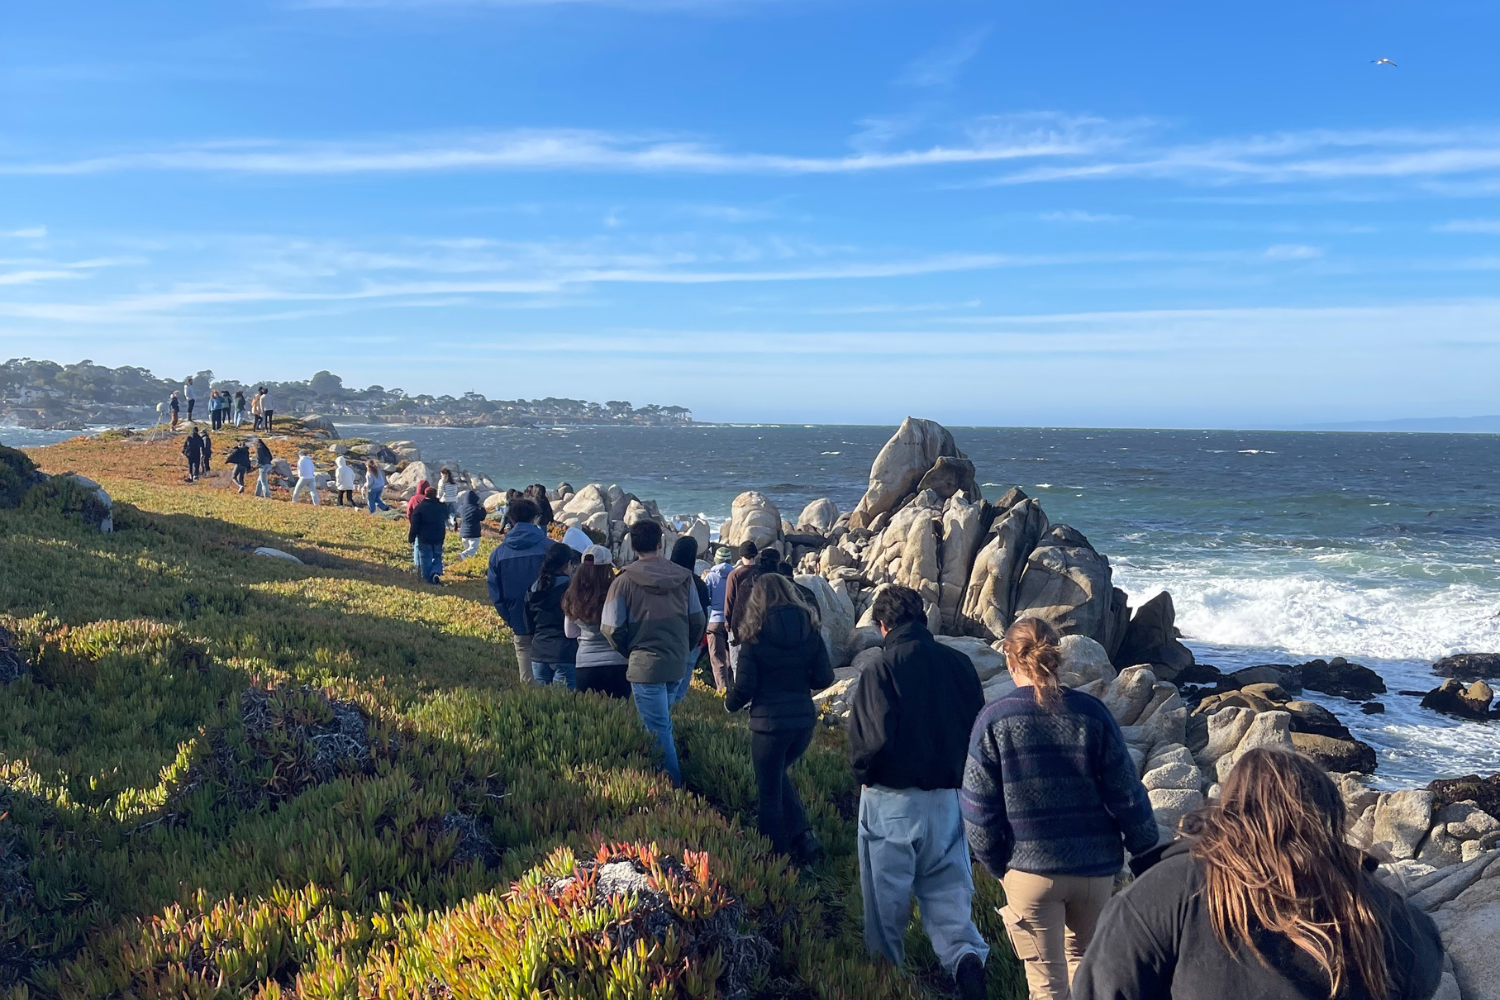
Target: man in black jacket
{"x":428,"y":528}
{"x":908,"y":739}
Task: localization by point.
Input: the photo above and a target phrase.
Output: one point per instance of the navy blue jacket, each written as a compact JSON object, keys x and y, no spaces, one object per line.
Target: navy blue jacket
{"x":1053,"y":792}
{"x":513,"y":569}
{"x":470,"y":515}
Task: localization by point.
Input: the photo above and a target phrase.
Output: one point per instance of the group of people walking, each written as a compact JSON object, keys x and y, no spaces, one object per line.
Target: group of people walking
{"x":224,"y":409}
{"x":1259,"y":895}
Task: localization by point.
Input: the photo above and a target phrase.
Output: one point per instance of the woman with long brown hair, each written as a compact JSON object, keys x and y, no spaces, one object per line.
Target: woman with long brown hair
{"x":598,"y":667}
{"x":1264,"y":898}
{"x":1050,"y":794}
{"x":783,"y":659}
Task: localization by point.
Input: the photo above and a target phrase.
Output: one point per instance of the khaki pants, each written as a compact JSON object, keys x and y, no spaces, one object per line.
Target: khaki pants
{"x":523,"y":656}
{"x":718,"y":654}
{"x":1051,"y":919}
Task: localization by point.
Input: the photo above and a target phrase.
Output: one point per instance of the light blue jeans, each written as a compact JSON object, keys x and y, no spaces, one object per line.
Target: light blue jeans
{"x":373,"y":497}
{"x":263,"y":481}
{"x":680,"y":689}
{"x":428,"y":560}
{"x":554,"y":673}
{"x":911,"y":842}
{"x":653,"y":702}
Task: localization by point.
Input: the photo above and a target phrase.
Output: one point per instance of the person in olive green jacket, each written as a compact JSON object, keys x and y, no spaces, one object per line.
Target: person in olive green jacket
{"x":652,"y":616}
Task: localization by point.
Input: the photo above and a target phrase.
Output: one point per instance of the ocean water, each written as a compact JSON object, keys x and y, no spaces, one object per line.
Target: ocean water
{"x":1276,"y":546}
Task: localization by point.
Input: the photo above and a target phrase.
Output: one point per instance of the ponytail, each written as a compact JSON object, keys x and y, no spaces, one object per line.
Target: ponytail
{"x":1032,"y":656}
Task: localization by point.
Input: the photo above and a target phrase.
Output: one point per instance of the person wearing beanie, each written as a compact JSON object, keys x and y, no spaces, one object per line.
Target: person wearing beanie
{"x":717,"y":579}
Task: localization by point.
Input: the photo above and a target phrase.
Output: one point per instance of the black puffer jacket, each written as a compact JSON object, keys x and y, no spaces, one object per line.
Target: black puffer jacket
{"x":429,"y":523}
{"x":779,"y":670}
{"x":1155,"y":941}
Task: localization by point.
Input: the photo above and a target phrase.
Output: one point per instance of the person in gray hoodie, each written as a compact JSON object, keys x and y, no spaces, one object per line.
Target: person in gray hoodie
{"x":652,"y":616}
{"x":599,"y":667}
{"x":513,"y":569}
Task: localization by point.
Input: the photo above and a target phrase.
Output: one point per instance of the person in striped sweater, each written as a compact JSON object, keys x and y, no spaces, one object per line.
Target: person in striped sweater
{"x":1049,"y":796}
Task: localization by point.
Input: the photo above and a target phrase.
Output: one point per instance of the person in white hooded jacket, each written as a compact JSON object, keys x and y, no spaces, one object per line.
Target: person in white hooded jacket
{"x":343,"y":480}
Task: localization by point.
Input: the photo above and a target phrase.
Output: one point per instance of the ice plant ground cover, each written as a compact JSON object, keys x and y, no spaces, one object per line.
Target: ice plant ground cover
{"x":230,"y":776}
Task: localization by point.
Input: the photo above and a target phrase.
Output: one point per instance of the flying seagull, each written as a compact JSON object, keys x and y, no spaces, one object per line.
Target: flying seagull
{"x":1382,"y":61}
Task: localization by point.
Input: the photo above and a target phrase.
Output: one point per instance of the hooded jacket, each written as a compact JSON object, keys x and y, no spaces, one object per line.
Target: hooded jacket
{"x":417,"y":498}
{"x":470,"y":514}
{"x":239,"y":457}
{"x":912,"y":712}
{"x":306,"y":467}
{"x":343,"y":475}
{"x":513,"y":568}
{"x":1155,"y":939}
{"x":717,"y":579}
{"x":263,"y":454}
{"x":550,"y":642}
{"x":428,"y":523}
{"x":737,"y":587}
{"x":652,"y":615}
{"x":778,"y":671}
{"x":192,"y":447}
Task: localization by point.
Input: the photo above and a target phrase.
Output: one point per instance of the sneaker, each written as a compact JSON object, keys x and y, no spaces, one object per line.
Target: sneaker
{"x":970,"y":978}
{"x":807,"y":850}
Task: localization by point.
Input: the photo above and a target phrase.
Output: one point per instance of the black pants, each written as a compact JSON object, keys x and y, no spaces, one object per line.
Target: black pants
{"x":346,"y":493}
{"x":268,"y":416}
{"x":190,"y":408}
{"x":238,"y":475}
{"x":194,"y":467}
{"x":605,"y":680}
{"x":780,"y":817}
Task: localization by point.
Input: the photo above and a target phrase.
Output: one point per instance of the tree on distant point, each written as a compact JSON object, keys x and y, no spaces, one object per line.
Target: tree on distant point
{"x":326,"y":383}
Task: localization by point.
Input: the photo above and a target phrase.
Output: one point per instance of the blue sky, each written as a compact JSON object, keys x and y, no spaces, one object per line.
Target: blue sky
{"x":1152,"y":214}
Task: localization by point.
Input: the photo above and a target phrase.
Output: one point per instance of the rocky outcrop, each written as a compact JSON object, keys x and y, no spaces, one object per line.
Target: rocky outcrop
{"x":1152,"y":637}
{"x":752,"y":518}
{"x":820,"y":515}
{"x":961,"y":522}
{"x":1067,"y":583}
{"x":1341,"y":678}
{"x":989,"y":603}
{"x":907,"y":457}
{"x":1469,"y":666}
{"x":1453,"y":698}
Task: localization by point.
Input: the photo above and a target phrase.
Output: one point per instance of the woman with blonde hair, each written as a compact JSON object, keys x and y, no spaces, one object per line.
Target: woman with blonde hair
{"x":782,"y":661}
{"x":1263,"y":897}
{"x":1050,"y":794}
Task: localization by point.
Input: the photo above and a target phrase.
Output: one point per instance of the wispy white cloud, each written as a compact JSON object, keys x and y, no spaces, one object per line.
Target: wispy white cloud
{"x":1468,"y":226}
{"x":940,"y":66}
{"x":987,"y":140}
{"x":28,"y":233}
{"x":1075,"y":215}
{"x":1293,"y":251}
{"x":34,"y":276}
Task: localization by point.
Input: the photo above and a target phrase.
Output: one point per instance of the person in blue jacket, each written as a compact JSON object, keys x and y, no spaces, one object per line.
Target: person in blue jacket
{"x":514,"y":565}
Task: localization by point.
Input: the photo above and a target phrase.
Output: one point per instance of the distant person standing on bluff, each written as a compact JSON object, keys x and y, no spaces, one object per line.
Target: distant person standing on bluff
{"x":267,"y":408}
{"x":239,"y":409}
{"x":514,"y":565}
{"x":191,"y":397}
{"x":176,"y":408}
{"x":256,"y":410}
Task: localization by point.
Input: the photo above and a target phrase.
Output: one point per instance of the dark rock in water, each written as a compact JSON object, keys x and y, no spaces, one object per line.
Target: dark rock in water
{"x":1341,"y":678}
{"x":950,"y":475}
{"x":1200,"y":673}
{"x":1152,"y":637}
{"x":1468,"y":666}
{"x":1452,"y":698}
{"x":1313,"y":719}
{"x":1413,"y":694}
{"x":1331,"y":754}
{"x":1483,"y":792}
{"x":1283,"y":674}
{"x":1372,"y":708}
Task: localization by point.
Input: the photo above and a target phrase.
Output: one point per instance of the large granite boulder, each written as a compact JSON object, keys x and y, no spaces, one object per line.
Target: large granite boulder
{"x":1470,"y":926}
{"x":951,"y":475}
{"x":592,"y":499}
{"x":990,"y":598}
{"x":908,"y":456}
{"x":1067,"y":583}
{"x":821,"y":514}
{"x":987,"y":662}
{"x":1341,"y":678}
{"x":961,"y":523}
{"x":752,"y":518}
{"x":1083,"y":661}
{"x":1152,"y":638}
{"x":1334,"y":754}
{"x":908,"y":549}
{"x":1402,"y":820}
{"x":837,"y":613}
